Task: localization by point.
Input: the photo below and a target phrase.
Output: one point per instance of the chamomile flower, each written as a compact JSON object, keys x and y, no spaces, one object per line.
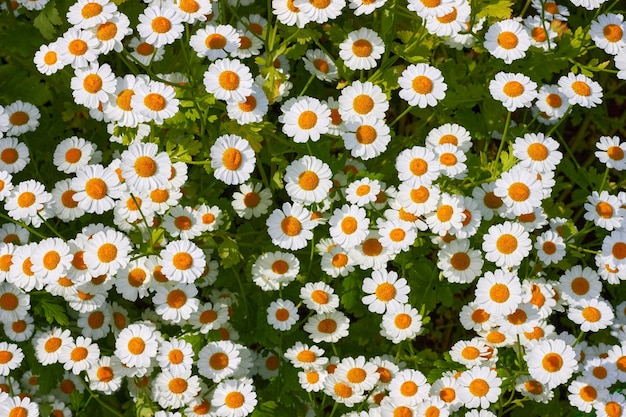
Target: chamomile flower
{"x":308,"y":180}
{"x":348,"y":225}
{"x":449,"y":133}
{"x":143,"y":167}
{"x":20,"y":330}
{"x":362,"y":49}
{"x":608,"y":32}
{"x":48,"y":344}
{"x":366,"y":140}
{"x":209,"y":317}
{"x":18,"y":406}
{"x":252,"y":200}
{"x":321,"y":65}
{"x":536,"y":152}
{"x":78,"y":48}
{"x":14,"y":155}
{"x":232,"y":159}
{"x":106,"y":252}
{"x":111,"y":32}
{"x":251,"y":110}
{"x":578,"y":283}
{"x":418,"y":200}
{"x":508,"y":40}
{"x":47,"y":59}
{"x":182,"y":261}
{"x":506,"y":244}
{"x":397,"y":235}
{"x":581,"y":90}
{"x":358,"y":372}
{"x":306,"y":357}
{"x":79,"y":355}
{"x":450,"y":23}
{"x":417,"y":166}
{"x":320,"y":11}
{"x":50,"y":259}
{"x":448,"y":216}
{"x":422,"y":85}
{"x":400,"y":323}
{"x":106,"y":375}
{"x":514,"y":90}
{"x":95,"y":324}
{"x":72,"y":154}
{"x":342,"y":392}
{"x":159,"y":25}
{"x":611,"y":151}
{"x":469,"y":353}
{"x":361,"y":102}
{"x":282,"y":314}
{"x":408,"y":387}
{"x":175,"y":390}
{"x":192,"y":11}
{"x":479,"y":387}
{"x":451,"y":160}
{"x":273,"y":269}
{"x":96,"y":188}
{"x":145,"y":52}
{"x":136,"y":345}
{"x":290,"y":226}
{"x":228,"y":80}
{"x":533,"y":389}
{"x":215,"y":41}
{"x":498,"y":293}
{"x":85,"y":14}
{"x":92,"y":85}
{"x":591,"y":314}
{"x":288,"y":13}
{"x":133,"y":281}
{"x":11,"y":357}
{"x":458,"y":262}
{"x":551,"y":102}
{"x":551,"y":10}
{"x":551,"y":361}
{"x":425,"y":8}
{"x":27,"y":199}
{"x":155,"y":101}
{"x":327,"y":327}
{"x":234,"y":398}
{"x":305,"y":118}
{"x":219,"y":360}
{"x":550,"y":247}
{"x":337,"y":262}
{"x":384,"y":290}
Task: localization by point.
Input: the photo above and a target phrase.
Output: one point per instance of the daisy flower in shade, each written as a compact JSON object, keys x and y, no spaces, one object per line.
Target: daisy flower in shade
{"x":306,"y":357}
{"x":111,"y":33}
{"x":458,"y":262}
{"x":384,"y":290}
{"x":614,"y":250}
{"x":611,"y":152}
{"x":489,"y":204}
{"x":362,"y":49}
{"x":506,"y":244}
{"x":577,"y":284}
{"x":27,"y":199}
{"x":361,"y":102}
{"x":452,"y":22}
{"x":78,"y":48}
{"x":342,"y":392}
{"x":143,"y":167}
{"x":305,"y":118}
{"x":23,"y":117}
{"x":215,"y":41}
{"x":514,"y":90}
{"x":319,"y":297}
{"x":312,"y":380}
{"x":155,"y":101}
{"x":96,"y":188}
{"x":47,"y":59}
{"x":591,"y":314}
{"x":550,"y":247}
{"x":608,"y":32}
{"x":93,"y":85}
{"x":95,"y":324}
{"x":358,"y":372}
{"x":11,"y":357}
{"x":448,"y":216}
{"x":533,"y":389}
{"x":20,"y":330}
{"x":85,"y":14}
{"x":290,"y":226}
{"x":605,"y":210}
{"x":106,"y":252}
{"x":175,"y":390}
{"x":422,"y":85}
{"x":551,"y":10}
{"x":499,"y":292}
{"x":160,"y":25}
{"x":337,"y":262}
{"x":288,"y":13}
{"x":365,"y":7}
{"x":479,"y":387}
{"x":408,"y":387}
{"x":252,"y":200}
{"x":474,"y":317}
{"x":145,"y":52}
{"x":228,"y":80}
{"x":321,"y":65}
{"x":308,"y":180}
{"x":508,"y":40}
{"x":400,"y":323}
{"x":551,"y":361}
{"x":133,"y":281}
{"x":581,"y":90}
{"x":249,"y":44}
{"x":282,"y":314}
{"x":327,"y":327}
{"x":599,"y":372}
{"x":541,"y":33}
{"x":426,"y":8}
{"x":232,"y":159}
{"x":397,"y":235}
{"x":79,"y":355}
{"x":219,"y":360}
{"x":17,"y":406}
{"x":272,"y":269}
{"x":551,"y":102}
{"x":136,"y":345}
{"x":366,"y":140}
{"x":417,"y":166}
{"x":612,"y":405}
{"x":536,"y":152}
{"x":14,"y":155}
{"x":106,"y":375}
{"x":617,"y":354}
{"x":72,"y":154}
{"x":251,"y":110}
{"x":620,"y":64}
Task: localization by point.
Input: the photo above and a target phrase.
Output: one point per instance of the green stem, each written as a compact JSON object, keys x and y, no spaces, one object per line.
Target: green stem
{"x":400,"y":116}
{"x":306,"y":86}
{"x":243,"y":293}
{"x":332,"y":413}
{"x":99,"y":401}
{"x":604,"y":177}
{"x":52,"y":228}
{"x":579,"y":338}
{"x":502,"y":140}
{"x":21,"y":224}
{"x":143,"y":218}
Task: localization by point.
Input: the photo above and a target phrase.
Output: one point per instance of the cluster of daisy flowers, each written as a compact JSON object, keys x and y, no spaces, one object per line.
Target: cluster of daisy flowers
{"x":130,"y":264}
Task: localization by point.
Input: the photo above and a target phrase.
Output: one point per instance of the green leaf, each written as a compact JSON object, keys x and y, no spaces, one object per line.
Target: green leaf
{"x":52,"y":308}
{"x":46,"y":21}
{"x":500,"y":9}
{"x":229,"y":253}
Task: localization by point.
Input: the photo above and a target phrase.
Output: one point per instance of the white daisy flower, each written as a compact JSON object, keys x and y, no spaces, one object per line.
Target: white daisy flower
{"x":422,"y":85}
{"x":581,"y":90}
{"x":362,"y":49}
{"x":384,"y":290}
{"x":232,"y":159}
{"x":228,"y":80}
{"x":304,"y":118}
{"x":160,"y":25}
{"x":514,"y":90}
{"x":508,"y":40}
{"x":308,"y":180}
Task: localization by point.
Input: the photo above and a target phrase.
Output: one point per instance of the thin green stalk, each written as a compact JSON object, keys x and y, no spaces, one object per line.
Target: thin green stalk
{"x":21,"y":224}
{"x":604,"y":178}
{"x":332,"y":413}
{"x":306,"y":86}
{"x":52,"y":228}
{"x":400,"y":116}
{"x":507,"y":123}
{"x":243,"y":293}
{"x":99,"y":401}
{"x":143,"y":218}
